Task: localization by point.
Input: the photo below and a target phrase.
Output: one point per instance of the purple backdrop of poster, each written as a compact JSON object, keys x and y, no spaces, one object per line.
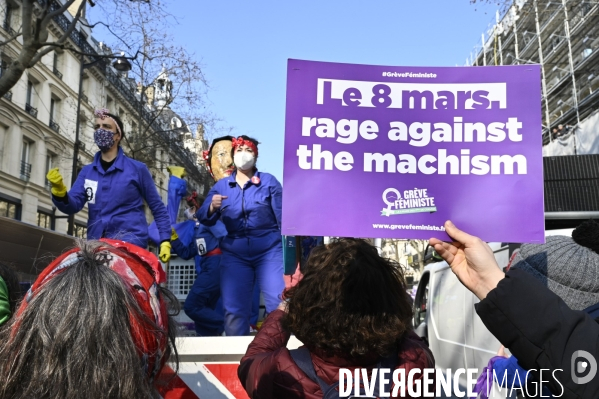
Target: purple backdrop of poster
{"x":393,"y":152}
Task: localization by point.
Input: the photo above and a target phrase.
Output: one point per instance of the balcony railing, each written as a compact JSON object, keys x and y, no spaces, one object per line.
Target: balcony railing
{"x":25,"y":171}
{"x":57,"y":73}
{"x":30,"y":110}
{"x":54,"y":126}
{"x":8,"y":95}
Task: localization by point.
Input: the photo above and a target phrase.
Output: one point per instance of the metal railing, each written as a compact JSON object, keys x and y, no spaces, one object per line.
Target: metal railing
{"x":25,"y":171}
{"x":30,"y":110}
{"x":57,"y":73}
{"x":54,"y":126}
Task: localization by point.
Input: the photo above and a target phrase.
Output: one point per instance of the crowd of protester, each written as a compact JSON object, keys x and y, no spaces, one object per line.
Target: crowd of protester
{"x":97,"y":322}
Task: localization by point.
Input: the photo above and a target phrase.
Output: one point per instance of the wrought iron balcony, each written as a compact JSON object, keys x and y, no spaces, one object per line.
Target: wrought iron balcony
{"x":8,"y":95}
{"x":25,"y":171}
{"x":30,"y":110}
{"x":54,"y":126}
{"x":57,"y":73}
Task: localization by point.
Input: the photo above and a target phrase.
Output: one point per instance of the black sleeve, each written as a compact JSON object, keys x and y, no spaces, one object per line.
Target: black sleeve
{"x":64,"y":199}
{"x":543,"y":333}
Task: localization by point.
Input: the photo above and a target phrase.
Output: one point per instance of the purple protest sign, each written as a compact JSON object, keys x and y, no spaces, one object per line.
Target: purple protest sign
{"x":394,"y":152}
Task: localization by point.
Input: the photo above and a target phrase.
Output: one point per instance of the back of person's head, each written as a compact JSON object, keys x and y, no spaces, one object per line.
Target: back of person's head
{"x":350,"y":301}
{"x":10,"y":293}
{"x":568,"y":266}
{"x":95,"y":324}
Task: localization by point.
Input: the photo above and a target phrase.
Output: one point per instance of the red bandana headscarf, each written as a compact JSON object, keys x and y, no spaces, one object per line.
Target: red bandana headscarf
{"x":239,"y":141}
{"x":141,"y":272}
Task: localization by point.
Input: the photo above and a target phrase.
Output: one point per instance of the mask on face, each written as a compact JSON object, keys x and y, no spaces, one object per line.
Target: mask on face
{"x":243,"y":160}
{"x":104,"y":139}
{"x":190,"y":213}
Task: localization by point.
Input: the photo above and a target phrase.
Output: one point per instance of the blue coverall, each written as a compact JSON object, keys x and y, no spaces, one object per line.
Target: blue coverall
{"x":115,"y":201}
{"x":203,"y":304}
{"x":252,"y":249}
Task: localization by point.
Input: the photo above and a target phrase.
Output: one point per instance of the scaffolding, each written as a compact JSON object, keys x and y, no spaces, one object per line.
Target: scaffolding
{"x":563,"y":37}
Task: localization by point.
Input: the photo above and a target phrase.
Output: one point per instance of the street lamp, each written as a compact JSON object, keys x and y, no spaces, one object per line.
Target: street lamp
{"x":121,"y":64}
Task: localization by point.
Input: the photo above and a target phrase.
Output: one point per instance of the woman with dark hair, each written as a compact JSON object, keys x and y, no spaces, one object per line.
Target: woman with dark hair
{"x":350,"y":310}
{"x":10,"y":293}
{"x":95,"y":324}
{"x":248,"y":202}
{"x":114,"y":187}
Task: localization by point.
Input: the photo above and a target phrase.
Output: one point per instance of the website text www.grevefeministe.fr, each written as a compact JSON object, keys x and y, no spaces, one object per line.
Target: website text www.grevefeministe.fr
{"x":407,"y":227}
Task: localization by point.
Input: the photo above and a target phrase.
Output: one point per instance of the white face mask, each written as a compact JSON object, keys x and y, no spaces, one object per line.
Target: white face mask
{"x":190,"y":213}
{"x":243,"y":160}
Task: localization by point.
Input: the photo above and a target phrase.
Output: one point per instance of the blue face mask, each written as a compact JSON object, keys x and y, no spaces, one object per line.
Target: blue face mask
{"x":104,"y":139}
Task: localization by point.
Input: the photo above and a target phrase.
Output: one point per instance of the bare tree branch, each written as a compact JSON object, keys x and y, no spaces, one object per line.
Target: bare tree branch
{"x":10,"y":39}
{"x":62,"y":39}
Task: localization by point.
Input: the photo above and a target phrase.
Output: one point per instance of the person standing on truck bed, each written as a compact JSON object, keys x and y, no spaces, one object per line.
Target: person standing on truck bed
{"x":114,"y":187}
{"x":249,"y":204}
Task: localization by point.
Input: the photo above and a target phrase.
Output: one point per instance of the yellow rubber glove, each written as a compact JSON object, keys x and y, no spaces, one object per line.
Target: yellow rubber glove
{"x":58,"y":187}
{"x":165,"y":251}
{"x":174,"y":235}
{"x":176,"y":171}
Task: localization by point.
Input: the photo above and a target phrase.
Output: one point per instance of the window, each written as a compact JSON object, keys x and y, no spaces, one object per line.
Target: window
{"x":29,"y":98}
{"x":109,"y":104}
{"x":3,"y":66}
{"x":45,"y":220}
{"x":50,"y":160}
{"x":55,"y":65}
{"x":25,"y":165}
{"x":10,"y":209}
{"x":8,"y":19}
{"x":54,"y":106}
{"x":80,"y":231}
{"x":52,"y":109}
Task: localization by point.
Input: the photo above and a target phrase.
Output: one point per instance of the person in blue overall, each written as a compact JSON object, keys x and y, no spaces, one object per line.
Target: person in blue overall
{"x":203,"y":303}
{"x":249,"y":204}
{"x":114,"y":187}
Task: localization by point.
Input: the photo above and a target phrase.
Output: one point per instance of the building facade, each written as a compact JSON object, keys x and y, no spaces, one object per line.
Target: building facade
{"x":38,"y":124}
{"x":563,"y":37}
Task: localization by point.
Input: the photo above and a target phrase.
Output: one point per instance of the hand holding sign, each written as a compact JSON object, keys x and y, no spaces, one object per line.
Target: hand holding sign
{"x":470,"y":259}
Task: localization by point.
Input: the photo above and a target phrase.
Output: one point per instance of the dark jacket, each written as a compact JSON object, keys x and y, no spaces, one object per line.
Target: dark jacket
{"x":542,"y":332}
{"x":267,"y":370}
